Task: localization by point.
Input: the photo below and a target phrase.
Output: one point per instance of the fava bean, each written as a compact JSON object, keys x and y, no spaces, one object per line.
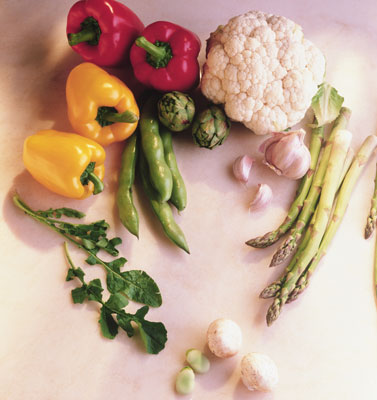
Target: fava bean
{"x":185,"y":382}
{"x":126,"y":208}
{"x":153,"y":149}
{"x":179,"y":194}
{"x":197,"y":361}
{"x":161,"y":209}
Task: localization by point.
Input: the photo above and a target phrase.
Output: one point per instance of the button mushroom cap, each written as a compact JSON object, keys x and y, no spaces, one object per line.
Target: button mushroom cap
{"x":224,"y":338}
{"x":259,"y":372}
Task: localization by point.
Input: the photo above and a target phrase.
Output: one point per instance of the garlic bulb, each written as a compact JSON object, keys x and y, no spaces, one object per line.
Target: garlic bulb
{"x":262,"y":198}
{"x":241,"y":168}
{"x":286,"y":154}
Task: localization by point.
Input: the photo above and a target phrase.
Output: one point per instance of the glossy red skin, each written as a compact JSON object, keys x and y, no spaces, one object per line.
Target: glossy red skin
{"x":119,"y":28}
{"x":182,"y":71}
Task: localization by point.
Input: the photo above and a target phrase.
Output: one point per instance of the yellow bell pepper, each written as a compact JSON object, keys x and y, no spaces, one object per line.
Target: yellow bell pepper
{"x":65,"y":163}
{"x":100,"y":106}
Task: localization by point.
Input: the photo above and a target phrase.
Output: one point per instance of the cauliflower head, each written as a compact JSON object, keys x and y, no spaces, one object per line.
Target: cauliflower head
{"x":263,"y":70}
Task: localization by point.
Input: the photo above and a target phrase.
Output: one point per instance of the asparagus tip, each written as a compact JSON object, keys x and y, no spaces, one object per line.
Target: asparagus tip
{"x":369,"y":228}
{"x":270,"y":291}
{"x":273,"y":312}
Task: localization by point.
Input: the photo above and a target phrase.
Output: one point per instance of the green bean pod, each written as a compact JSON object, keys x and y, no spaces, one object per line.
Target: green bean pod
{"x":153,"y":149}
{"x":126,"y":208}
{"x":179,"y":194}
{"x":162,"y":210}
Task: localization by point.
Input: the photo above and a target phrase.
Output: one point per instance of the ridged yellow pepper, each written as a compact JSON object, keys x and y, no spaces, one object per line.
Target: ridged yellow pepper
{"x":65,"y":163}
{"x":100,"y":106}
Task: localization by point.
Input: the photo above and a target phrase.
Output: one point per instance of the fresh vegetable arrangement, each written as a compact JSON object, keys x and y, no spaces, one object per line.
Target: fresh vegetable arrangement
{"x":260,"y":71}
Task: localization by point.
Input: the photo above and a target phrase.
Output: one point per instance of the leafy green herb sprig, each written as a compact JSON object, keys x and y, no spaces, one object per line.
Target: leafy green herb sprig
{"x":136,"y":285}
{"x":153,"y":334}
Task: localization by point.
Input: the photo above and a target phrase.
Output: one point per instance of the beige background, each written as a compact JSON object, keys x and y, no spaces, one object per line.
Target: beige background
{"x":325,"y":344}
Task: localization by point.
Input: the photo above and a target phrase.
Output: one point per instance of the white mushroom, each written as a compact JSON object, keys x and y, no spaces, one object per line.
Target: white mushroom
{"x":259,"y":372}
{"x":224,"y":338}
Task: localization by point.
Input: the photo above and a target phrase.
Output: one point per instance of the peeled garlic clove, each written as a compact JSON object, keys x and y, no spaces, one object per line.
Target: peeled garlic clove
{"x":241,"y":168}
{"x":262,"y":198}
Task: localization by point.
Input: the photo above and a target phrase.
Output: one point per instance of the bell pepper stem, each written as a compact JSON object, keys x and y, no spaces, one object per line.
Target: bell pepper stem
{"x":127,"y":117}
{"x":157,"y":53}
{"x":90,"y":33}
{"x":85,"y":35}
{"x":98,"y":184}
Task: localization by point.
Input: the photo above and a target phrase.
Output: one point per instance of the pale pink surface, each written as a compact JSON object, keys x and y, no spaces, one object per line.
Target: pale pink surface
{"x":324,"y":345}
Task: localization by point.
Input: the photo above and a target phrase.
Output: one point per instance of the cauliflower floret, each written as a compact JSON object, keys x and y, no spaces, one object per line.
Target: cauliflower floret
{"x":263,"y":70}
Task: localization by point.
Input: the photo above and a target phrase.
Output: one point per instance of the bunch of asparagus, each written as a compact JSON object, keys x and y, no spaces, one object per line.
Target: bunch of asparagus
{"x":316,"y":212}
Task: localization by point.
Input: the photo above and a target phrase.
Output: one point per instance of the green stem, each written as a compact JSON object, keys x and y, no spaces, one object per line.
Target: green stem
{"x":98,"y":184}
{"x":46,"y":221}
{"x":344,"y":196}
{"x":158,"y":54}
{"x":311,"y":200}
{"x":109,"y":115}
{"x":127,"y":117}
{"x":90,"y":33}
{"x":86,"y":35}
{"x":338,"y":155}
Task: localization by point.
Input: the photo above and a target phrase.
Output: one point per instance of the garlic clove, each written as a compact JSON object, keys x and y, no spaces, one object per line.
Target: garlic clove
{"x":262,"y":197}
{"x":286,"y":154}
{"x":241,"y":168}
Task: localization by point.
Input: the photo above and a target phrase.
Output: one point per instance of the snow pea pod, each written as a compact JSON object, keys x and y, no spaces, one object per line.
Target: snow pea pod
{"x":179,"y":194}
{"x":153,"y":149}
{"x":126,"y":208}
{"x":162,"y":210}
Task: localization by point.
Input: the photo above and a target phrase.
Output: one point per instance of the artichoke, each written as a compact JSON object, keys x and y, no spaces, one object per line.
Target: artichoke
{"x":211,"y":127}
{"x":176,"y":110}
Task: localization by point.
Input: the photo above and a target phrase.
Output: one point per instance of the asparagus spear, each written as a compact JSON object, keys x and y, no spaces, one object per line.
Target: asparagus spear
{"x":359,"y":162}
{"x":271,"y":237}
{"x":312,"y":198}
{"x":372,"y":217}
{"x":337,"y":157}
{"x":273,"y":289}
{"x":303,"y":282}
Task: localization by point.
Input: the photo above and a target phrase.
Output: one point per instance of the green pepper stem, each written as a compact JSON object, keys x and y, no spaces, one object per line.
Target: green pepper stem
{"x":127,"y":116}
{"x":85,"y":35}
{"x":98,"y":184}
{"x":157,"y":53}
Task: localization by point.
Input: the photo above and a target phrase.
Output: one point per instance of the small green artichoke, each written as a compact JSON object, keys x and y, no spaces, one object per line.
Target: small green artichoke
{"x":211,"y":127}
{"x":176,"y":110}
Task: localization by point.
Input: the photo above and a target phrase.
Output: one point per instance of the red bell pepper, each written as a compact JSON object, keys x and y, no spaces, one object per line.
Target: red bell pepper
{"x":165,"y":57}
{"x":102,"y":31}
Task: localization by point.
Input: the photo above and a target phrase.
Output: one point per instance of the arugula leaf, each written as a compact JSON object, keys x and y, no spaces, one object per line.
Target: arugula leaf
{"x":116,"y":302}
{"x":142,"y":288}
{"x":153,"y":334}
{"x":95,"y":290}
{"x":137,"y":285}
{"x":109,"y":327}
{"x":79,"y":295}
{"x":59,"y":212}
